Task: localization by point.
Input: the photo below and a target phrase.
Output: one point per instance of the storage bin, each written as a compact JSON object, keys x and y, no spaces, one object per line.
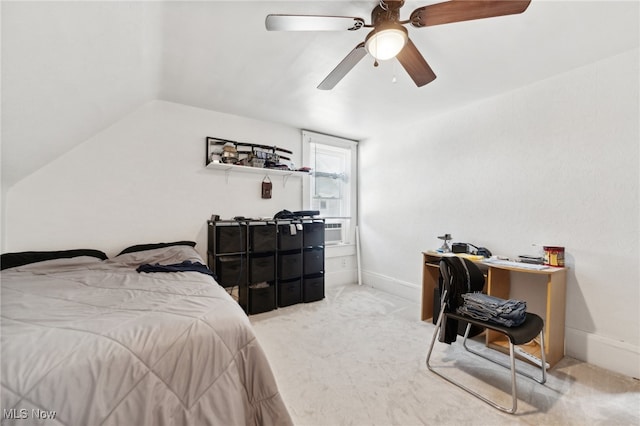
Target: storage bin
{"x":231,"y":270}
{"x":289,"y":265}
{"x":262,"y":238}
{"x":262,"y":299}
{"x":313,"y":261}
{"x":231,"y":239}
{"x":289,"y":292}
{"x":262,"y":268}
{"x":313,"y":288}
{"x":313,"y":234}
{"x":288,"y":240}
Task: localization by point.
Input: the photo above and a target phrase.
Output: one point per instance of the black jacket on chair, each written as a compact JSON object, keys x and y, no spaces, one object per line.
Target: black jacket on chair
{"x":461,"y":276}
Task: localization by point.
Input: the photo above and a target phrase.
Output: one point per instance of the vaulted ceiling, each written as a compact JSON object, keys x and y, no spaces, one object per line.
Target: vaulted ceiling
{"x":71,"y":69}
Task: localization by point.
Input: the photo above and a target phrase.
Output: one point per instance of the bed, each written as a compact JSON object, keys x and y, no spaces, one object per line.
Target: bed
{"x":91,"y":341}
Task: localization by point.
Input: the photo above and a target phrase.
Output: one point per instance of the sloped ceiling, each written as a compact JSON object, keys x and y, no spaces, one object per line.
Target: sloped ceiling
{"x":70,"y":69}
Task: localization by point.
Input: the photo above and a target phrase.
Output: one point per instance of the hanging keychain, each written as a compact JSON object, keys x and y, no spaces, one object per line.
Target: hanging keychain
{"x":266,"y":187}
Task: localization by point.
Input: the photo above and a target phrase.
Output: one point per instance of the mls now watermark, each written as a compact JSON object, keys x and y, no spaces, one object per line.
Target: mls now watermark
{"x":23,"y":414}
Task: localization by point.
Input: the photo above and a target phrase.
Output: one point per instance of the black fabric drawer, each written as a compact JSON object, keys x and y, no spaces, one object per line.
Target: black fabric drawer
{"x":289,"y":265}
{"x":313,"y":261}
{"x":289,"y":292}
{"x":262,"y":268}
{"x":313,"y":288}
{"x":230,"y":270}
{"x":262,"y":299}
{"x":313,"y":234}
{"x":231,"y":239}
{"x":289,"y":239}
{"x":262,"y":238}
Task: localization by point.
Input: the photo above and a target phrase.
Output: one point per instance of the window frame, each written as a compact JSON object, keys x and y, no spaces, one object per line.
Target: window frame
{"x":309,"y":137}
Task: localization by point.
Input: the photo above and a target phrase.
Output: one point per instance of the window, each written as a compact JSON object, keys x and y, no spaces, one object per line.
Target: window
{"x":332,"y":184}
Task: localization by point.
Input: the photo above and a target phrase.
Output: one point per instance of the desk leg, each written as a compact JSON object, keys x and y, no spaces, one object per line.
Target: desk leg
{"x":555,"y":316}
{"x":430,"y":275}
{"x":498,"y":285}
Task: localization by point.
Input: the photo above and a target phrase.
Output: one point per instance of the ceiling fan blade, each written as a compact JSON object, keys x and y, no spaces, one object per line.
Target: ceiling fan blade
{"x":313,"y":23}
{"x":465,"y":10}
{"x":415,"y":65}
{"x":343,"y":67}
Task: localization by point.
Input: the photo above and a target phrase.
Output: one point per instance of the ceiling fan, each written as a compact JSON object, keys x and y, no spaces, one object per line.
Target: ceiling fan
{"x":389,"y":37}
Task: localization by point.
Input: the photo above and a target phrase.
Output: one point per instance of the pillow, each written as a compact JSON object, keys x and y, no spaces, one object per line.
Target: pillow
{"x":164,"y":255}
{"x":11,"y":260}
{"x":143,"y":247}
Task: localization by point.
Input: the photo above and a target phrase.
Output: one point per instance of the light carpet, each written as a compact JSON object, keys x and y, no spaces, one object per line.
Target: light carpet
{"x":358,"y":358}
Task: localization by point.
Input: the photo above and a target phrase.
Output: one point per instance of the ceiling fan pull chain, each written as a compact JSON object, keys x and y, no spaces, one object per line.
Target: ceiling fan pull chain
{"x":375,"y":60}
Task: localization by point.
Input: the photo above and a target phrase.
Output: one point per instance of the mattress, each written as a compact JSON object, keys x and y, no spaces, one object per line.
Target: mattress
{"x":94,"y":342}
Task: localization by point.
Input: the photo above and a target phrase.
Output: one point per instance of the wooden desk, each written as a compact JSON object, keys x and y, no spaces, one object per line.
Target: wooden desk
{"x":499,"y":284}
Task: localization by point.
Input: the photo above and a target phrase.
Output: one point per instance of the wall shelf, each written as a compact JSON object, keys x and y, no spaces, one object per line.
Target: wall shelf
{"x":231,"y":168}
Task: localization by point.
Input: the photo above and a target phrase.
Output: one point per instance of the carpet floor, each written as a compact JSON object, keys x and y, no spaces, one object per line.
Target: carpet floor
{"x":357,"y":357}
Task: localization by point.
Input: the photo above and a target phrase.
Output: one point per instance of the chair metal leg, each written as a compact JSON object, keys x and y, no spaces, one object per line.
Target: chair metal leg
{"x":512,"y":367}
{"x":522,"y":373}
{"x":435,"y":332}
{"x":514,"y":389}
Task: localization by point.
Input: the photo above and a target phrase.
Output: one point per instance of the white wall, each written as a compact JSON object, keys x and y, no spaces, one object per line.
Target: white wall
{"x":144,"y":180}
{"x":555,"y":163}
{"x":70,"y":69}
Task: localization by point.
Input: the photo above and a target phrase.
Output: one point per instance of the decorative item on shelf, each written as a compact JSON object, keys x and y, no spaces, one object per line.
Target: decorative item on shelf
{"x":266,"y":187}
{"x":247,"y":154}
{"x":445,"y":245}
{"x":215,"y":157}
{"x":257,"y":158}
{"x":229,"y":154}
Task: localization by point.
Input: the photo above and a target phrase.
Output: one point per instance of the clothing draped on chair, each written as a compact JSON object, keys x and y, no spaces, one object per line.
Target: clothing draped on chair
{"x":480,"y":306}
{"x":463,"y":279}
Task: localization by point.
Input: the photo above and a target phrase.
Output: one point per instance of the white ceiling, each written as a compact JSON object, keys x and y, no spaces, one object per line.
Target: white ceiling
{"x":218,"y":55}
{"x":224,"y":59}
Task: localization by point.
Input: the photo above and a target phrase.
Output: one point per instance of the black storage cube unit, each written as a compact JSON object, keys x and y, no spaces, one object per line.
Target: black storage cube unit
{"x":289,"y":265}
{"x":313,"y":288}
{"x":262,"y":299}
{"x":313,"y":234}
{"x":231,"y":270}
{"x":262,"y":238}
{"x":288,"y":238}
{"x":289,"y":292}
{"x":313,"y":261}
{"x":231,"y":239}
{"x":262,"y":268}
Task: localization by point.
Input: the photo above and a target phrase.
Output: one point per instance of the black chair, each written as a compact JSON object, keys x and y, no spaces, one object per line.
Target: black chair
{"x":458,"y":276}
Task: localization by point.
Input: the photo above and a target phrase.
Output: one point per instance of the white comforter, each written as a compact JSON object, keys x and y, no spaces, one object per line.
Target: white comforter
{"x":89,"y":342}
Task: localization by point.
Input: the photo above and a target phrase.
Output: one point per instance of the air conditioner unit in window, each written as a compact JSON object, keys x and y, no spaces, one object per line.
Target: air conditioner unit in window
{"x":332,"y":233}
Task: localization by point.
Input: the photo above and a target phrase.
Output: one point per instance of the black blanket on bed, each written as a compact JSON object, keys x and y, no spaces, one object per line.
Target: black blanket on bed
{"x":185,"y":266}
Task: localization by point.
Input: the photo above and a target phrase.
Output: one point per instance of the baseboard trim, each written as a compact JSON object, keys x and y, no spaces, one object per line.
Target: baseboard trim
{"x":613,"y":355}
{"x":404,"y":289}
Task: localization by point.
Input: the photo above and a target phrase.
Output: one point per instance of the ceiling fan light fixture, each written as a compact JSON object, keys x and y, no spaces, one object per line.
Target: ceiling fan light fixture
{"x":386,"y":42}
